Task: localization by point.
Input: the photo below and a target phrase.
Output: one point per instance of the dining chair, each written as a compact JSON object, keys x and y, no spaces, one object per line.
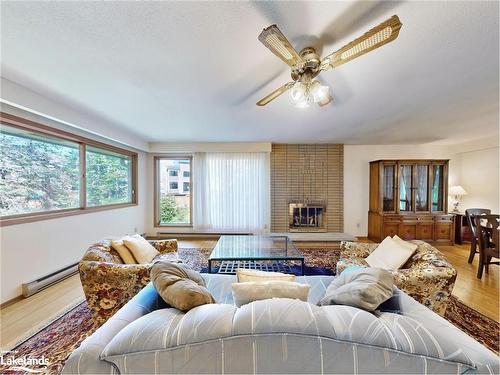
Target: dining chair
{"x":472,"y":226}
{"x":487,"y":227}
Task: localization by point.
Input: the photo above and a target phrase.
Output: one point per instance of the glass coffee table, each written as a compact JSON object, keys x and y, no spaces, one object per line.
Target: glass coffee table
{"x":265,"y":253}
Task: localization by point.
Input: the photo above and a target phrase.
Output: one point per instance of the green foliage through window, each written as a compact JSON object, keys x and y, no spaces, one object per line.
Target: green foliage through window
{"x":108,"y":177}
{"x":41,"y":173}
{"x":37,"y":174}
{"x":171,"y":212}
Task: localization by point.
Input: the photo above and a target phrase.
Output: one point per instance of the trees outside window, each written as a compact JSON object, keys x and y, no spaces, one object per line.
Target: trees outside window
{"x":37,"y":173}
{"x":109,"y":177}
{"x":46,"y":172}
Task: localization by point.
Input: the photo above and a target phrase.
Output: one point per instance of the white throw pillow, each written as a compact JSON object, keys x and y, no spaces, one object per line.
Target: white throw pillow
{"x":141,"y":249}
{"x":244,"y":293}
{"x":244,"y":275}
{"x":409,"y":245}
{"x":389,"y":255}
{"x":364,"y":288}
{"x":124,"y":251}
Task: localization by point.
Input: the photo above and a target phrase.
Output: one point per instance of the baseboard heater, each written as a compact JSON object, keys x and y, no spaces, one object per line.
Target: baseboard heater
{"x":43,"y":282}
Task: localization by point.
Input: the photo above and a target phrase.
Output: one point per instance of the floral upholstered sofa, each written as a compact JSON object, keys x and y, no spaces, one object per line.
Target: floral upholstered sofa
{"x":427,"y":276}
{"x":109,"y":283}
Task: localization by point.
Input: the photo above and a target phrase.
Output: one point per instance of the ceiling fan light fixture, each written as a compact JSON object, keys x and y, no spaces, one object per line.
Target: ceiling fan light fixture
{"x":307,"y":64}
{"x":304,"y":103}
{"x":320,"y":93}
{"x":298,"y":92}
{"x":326,"y":100}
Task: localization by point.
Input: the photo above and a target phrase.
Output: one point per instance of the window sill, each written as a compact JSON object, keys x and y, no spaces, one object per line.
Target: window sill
{"x":40,"y":216}
{"x":173,"y":225}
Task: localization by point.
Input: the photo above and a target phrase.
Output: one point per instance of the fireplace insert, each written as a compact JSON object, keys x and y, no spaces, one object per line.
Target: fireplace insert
{"x":306,"y":217}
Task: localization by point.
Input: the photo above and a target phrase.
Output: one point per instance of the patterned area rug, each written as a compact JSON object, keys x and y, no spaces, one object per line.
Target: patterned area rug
{"x":54,"y":343}
{"x":58,"y":339}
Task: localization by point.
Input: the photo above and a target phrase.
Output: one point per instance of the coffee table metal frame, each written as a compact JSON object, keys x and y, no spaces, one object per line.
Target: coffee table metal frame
{"x":228,"y":265}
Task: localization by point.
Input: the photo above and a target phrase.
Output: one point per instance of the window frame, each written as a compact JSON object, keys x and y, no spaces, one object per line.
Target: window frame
{"x":82,"y":142}
{"x":156,"y":219}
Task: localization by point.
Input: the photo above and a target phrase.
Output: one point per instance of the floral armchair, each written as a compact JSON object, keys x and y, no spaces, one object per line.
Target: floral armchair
{"x":108,"y":283}
{"x":427,"y":276}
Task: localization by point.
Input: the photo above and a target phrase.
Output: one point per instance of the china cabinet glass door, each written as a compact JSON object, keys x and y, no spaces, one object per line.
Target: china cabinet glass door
{"x":421,"y":187}
{"x":405,"y":188}
{"x":388,"y":187}
{"x":437,"y":191}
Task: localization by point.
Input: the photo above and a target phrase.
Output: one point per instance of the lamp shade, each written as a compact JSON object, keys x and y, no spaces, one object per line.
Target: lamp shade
{"x":456,"y":190}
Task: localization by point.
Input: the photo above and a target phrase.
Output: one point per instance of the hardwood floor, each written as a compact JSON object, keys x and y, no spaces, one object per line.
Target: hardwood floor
{"x":480,"y":294}
{"x":26,"y":316}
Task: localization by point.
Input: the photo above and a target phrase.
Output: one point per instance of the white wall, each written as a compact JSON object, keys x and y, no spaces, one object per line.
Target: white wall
{"x":477,"y":171}
{"x":31,"y":250}
{"x":60,"y":115}
{"x":34,"y":249}
{"x":356,"y":176}
{"x":162,"y":147}
{"x":480,"y":178}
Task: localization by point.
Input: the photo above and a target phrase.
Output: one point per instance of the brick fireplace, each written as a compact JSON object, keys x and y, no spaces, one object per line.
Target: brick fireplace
{"x":307,"y":188}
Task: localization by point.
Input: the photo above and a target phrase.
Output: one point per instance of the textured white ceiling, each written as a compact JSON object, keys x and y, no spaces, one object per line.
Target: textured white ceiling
{"x":192,"y":71}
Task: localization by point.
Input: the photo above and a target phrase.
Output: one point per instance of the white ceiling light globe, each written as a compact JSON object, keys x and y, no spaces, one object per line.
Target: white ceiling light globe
{"x":298,"y":92}
{"x":305,"y":102}
{"x":320,"y":92}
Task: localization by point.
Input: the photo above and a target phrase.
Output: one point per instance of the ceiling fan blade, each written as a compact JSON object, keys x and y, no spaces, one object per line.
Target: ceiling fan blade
{"x":378,"y":36}
{"x":275,"y":94}
{"x":274,"y":39}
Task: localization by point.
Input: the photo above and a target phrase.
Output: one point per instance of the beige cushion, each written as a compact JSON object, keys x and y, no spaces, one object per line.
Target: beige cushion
{"x":389,"y":255}
{"x":180,"y":287}
{"x":141,"y":249}
{"x":124,"y":252}
{"x":365,"y":288}
{"x":407,"y":244}
{"x":244,"y":276}
{"x":247,"y":292}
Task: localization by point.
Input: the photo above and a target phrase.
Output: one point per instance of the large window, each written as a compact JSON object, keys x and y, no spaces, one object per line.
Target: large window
{"x":109,"y":177}
{"x":47,"y":173}
{"x":37,"y":173}
{"x":173,"y":196}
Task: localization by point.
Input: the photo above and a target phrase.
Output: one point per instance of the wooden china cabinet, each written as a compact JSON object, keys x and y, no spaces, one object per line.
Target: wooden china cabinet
{"x":409,"y":198}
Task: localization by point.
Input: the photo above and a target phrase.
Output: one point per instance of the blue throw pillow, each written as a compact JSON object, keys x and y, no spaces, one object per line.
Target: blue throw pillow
{"x":392,"y":305}
{"x":352,"y":268}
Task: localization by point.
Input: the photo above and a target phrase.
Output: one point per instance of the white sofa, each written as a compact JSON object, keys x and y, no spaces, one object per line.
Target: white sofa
{"x":276,"y":336}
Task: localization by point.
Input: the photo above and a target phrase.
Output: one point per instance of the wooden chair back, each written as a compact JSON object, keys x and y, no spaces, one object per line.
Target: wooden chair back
{"x":488,"y":234}
{"x":470,"y":213}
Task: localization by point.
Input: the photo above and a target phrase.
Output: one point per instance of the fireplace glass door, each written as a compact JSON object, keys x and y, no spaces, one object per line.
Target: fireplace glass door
{"x":306,"y":217}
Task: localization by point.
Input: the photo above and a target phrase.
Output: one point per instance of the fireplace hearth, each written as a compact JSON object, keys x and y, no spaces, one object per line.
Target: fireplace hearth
{"x":306,"y":217}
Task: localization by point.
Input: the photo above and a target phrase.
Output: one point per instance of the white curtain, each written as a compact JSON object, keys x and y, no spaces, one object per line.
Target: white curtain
{"x":231,"y":191}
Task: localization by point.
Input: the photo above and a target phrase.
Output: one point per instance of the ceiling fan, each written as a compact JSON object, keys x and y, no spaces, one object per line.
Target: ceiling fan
{"x":307,"y":64}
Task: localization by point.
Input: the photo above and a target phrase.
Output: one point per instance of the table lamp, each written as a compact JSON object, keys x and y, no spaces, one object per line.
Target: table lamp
{"x":457,"y":192}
